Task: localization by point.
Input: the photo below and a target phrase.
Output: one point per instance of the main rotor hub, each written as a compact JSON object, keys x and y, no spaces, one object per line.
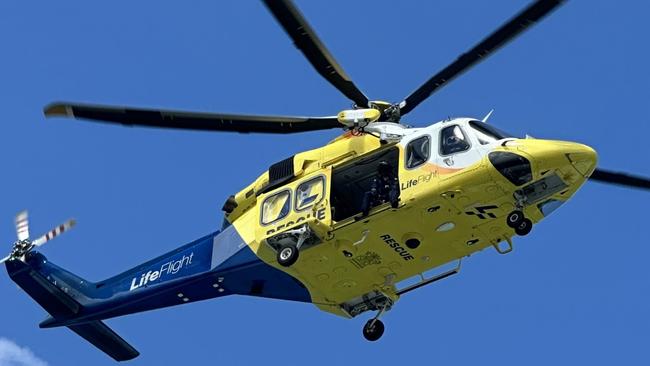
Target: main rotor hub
{"x":358,"y":117}
{"x":20,"y":248}
{"x":389,"y":111}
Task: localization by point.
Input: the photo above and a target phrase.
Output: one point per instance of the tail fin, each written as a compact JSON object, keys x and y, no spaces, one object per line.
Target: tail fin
{"x":62,"y":302}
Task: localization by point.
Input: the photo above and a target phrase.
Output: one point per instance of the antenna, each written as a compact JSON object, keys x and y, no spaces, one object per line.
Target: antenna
{"x":484,"y":120}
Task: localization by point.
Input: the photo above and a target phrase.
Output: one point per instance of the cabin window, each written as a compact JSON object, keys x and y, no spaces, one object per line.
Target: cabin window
{"x":486,"y":133}
{"x":418,"y":152}
{"x":310,"y":193}
{"x":276,"y":207}
{"x":453,"y":140}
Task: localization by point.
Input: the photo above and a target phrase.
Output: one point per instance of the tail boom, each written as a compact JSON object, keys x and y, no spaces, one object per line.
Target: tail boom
{"x":215,"y":265}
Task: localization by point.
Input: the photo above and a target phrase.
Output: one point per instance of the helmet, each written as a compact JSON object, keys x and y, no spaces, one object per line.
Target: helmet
{"x":383,"y":167}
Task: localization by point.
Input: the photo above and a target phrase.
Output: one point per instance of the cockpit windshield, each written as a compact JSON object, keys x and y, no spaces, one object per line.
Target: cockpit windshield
{"x":487,"y":134}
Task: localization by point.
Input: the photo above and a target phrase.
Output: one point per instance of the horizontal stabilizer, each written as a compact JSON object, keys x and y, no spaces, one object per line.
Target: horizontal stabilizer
{"x":61,"y":304}
{"x":104,"y":338}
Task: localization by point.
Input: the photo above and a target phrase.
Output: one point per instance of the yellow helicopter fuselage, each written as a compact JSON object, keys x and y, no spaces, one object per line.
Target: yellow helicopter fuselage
{"x":451,"y":205}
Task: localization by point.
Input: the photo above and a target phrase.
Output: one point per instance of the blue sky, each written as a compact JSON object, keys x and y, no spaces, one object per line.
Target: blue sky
{"x":575,"y":291}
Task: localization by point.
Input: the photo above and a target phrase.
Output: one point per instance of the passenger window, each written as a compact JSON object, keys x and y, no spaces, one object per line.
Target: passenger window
{"x":310,"y":193}
{"x":276,"y":207}
{"x":418,"y":152}
{"x":453,"y":140}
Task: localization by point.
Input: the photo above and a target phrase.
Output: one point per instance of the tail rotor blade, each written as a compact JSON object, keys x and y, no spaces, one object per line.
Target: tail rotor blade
{"x":22,"y":225}
{"x":54,"y":232}
{"x":4,"y":259}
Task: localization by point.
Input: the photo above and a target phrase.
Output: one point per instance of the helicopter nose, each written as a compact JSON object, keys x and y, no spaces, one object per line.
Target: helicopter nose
{"x":573,"y":161}
{"x":583,"y":158}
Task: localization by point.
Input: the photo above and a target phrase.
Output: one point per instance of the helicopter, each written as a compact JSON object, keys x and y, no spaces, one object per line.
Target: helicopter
{"x":298,"y":231}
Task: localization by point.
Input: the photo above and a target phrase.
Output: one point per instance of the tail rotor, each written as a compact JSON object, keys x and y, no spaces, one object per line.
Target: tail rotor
{"x":24,"y":245}
{"x":54,"y":232}
{"x":22,"y":226}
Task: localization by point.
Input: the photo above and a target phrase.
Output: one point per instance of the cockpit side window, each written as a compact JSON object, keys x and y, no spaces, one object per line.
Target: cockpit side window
{"x":486,"y":133}
{"x":453,"y":140}
{"x":418,"y":152}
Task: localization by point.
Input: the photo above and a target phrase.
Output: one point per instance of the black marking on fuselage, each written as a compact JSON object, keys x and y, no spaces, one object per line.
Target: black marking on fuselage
{"x":482,"y":212}
{"x":433,"y":209}
{"x":472,"y":242}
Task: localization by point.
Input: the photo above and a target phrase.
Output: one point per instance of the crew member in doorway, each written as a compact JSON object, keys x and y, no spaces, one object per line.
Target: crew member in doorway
{"x":384,"y":187}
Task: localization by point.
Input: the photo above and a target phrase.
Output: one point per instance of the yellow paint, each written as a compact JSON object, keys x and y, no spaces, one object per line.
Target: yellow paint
{"x":440,"y":196}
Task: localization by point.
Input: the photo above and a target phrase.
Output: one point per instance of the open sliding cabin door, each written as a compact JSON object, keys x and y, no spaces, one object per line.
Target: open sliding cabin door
{"x":352,"y":180}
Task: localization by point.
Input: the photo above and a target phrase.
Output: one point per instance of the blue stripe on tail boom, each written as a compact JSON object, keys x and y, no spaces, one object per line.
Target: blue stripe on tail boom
{"x":215,"y":265}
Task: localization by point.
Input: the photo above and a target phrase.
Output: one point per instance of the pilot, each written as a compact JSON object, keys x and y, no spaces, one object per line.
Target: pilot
{"x":384,"y":187}
{"x":453,"y":140}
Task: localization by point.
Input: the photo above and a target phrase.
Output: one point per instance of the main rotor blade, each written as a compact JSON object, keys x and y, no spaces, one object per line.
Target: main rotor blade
{"x":22,"y":225}
{"x":5,"y":259}
{"x":623,"y":179}
{"x":311,"y":46}
{"x":54,"y":232}
{"x":191,"y":120}
{"x":481,"y":51}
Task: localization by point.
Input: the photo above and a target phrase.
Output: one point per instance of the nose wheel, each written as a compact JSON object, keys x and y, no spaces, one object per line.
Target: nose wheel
{"x":524,"y":227}
{"x":515,"y":218}
{"x":519,"y":222}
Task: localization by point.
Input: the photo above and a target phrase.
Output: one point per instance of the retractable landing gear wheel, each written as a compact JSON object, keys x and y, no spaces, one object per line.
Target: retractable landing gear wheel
{"x":524,"y":228}
{"x":515,"y":218}
{"x":288,"y":255}
{"x":373,"y":330}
